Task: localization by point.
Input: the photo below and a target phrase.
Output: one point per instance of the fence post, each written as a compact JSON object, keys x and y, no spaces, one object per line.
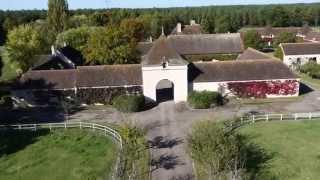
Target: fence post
{"x":241,"y":120}
{"x":281,"y":117}
{"x":19,"y":127}
{"x":253,"y":119}
{"x":35,"y":127}
{"x":93,"y":127}
{"x":80,"y":125}
{"x":65,"y":125}
{"x":50,"y":127}
{"x":295,"y":116}
{"x":310,"y":115}
{"x":267,"y":117}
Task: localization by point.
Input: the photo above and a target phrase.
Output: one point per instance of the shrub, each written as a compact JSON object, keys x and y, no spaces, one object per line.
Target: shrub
{"x":6,"y":102}
{"x":204,"y":99}
{"x":312,"y":69}
{"x":129,"y":103}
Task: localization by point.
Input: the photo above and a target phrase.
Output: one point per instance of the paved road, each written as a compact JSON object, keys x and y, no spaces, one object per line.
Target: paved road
{"x":169,"y":158}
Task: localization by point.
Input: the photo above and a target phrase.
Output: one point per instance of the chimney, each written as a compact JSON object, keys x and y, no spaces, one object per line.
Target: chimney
{"x":193,"y":22}
{"x":53,"y":51}
{"x":179,"y":29}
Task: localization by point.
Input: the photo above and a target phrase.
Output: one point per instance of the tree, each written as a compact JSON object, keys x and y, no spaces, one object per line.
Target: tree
{"x":216,"y":150}
{"x":23,"y":43}
{"x":285,"y":37}
{"x":10,"y":23}
{"x":110,"y":46}
{"x":253,"y":39}
{"x":134,"y":147}
{"x":58,"y":15}
{"x":222,"y":24}
{"x":134,"y":28}
{"x":279,"y":17}
{"x":75,"y":37}
{"x":99,"y":19}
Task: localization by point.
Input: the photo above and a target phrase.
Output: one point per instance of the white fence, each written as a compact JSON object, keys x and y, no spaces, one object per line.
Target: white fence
{"x":104,"y":129}
{"x":82,"y":125}
{"x":280,"y":117}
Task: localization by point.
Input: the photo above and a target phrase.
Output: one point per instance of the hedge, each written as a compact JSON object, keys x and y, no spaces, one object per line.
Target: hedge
{"x":204,"y":99}
{"x":312,"y":69}
{"x":129,"y":103}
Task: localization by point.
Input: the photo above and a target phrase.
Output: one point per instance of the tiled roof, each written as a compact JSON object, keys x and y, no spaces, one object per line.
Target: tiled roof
{"x":252,"y":54}
{"x":163,"y":51}
{"x":300,"y":48}
{"x":48,"y":79}
{"x":244,"y":70}
{"x":84,"y":76}
{"x":313,"y":36}
{"x":109,"y":75}
{"x":144,"y":47}
{"x":207,"y":43}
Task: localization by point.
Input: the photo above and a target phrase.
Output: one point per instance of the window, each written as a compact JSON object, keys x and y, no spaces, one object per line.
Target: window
{"x":313,"y":60}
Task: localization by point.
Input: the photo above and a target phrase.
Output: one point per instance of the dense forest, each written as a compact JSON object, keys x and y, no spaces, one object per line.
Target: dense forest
{"x":215,"y":19}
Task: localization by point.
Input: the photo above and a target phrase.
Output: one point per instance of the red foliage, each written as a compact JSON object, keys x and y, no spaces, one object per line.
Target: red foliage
{"x":260,"y":89}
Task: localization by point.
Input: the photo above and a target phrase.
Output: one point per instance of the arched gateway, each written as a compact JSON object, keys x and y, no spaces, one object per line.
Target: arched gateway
{"x":164,"y":91}
{"x":164,"y":73}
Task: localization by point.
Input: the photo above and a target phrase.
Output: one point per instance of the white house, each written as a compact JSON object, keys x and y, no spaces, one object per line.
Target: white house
{"x":296,"y":54}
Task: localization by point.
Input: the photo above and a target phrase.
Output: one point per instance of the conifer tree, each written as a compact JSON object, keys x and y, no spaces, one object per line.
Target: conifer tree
{"x":58,"y":15}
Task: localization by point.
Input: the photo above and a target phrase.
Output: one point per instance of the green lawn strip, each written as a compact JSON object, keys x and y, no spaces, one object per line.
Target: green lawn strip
{"x":314,"y":83}
{"x":268,"y":100}
{"x":61,"y":154}
{"x":293,"y":147}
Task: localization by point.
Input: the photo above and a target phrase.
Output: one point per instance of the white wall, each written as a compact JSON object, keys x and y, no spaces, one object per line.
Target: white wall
{"x":206,"y":86}
{"x":178,"y":75}
{"x":290,"y":59}
{"x":222,"y":88}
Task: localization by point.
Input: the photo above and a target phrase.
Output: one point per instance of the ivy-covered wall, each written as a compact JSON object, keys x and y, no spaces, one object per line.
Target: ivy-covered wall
{"x":87,"y":96}
{"x":105,"y":95}
{"x":264,"y":89}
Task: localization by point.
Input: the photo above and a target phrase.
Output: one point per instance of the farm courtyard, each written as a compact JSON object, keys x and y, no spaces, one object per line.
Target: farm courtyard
{"x":60,"y":154}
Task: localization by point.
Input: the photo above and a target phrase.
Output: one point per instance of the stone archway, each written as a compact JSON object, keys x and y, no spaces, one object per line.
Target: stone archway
{"x":164,"y":91}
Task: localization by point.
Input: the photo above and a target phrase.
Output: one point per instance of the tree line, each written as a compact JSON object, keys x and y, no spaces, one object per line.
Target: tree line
{"x":110,"y":36}
{"x":215,"y":19}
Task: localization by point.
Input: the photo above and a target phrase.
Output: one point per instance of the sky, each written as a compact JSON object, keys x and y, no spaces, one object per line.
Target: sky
{"x":76,"y":4}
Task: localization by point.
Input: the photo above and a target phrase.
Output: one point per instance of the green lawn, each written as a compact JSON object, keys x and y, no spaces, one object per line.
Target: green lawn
{"x":62,"y":154}
{"x":292,"y":148}
{"x":313,"y":83}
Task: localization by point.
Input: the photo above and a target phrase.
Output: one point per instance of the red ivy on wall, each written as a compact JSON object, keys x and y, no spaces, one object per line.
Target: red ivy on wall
{"x":260,"y":89}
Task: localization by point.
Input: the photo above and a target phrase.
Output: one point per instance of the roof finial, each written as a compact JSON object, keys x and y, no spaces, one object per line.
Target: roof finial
{"x":162,"y":33}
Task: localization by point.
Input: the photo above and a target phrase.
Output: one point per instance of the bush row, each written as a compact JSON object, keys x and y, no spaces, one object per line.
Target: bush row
{"x":312,"y":69}
{"x":205,"y":99}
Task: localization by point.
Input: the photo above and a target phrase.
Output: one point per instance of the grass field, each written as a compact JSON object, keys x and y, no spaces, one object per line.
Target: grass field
{"x":62,"y":154}
{"x":292,"y":148}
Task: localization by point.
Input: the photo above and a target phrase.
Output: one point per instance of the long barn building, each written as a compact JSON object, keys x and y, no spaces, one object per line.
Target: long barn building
{"x":166,"y":73}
